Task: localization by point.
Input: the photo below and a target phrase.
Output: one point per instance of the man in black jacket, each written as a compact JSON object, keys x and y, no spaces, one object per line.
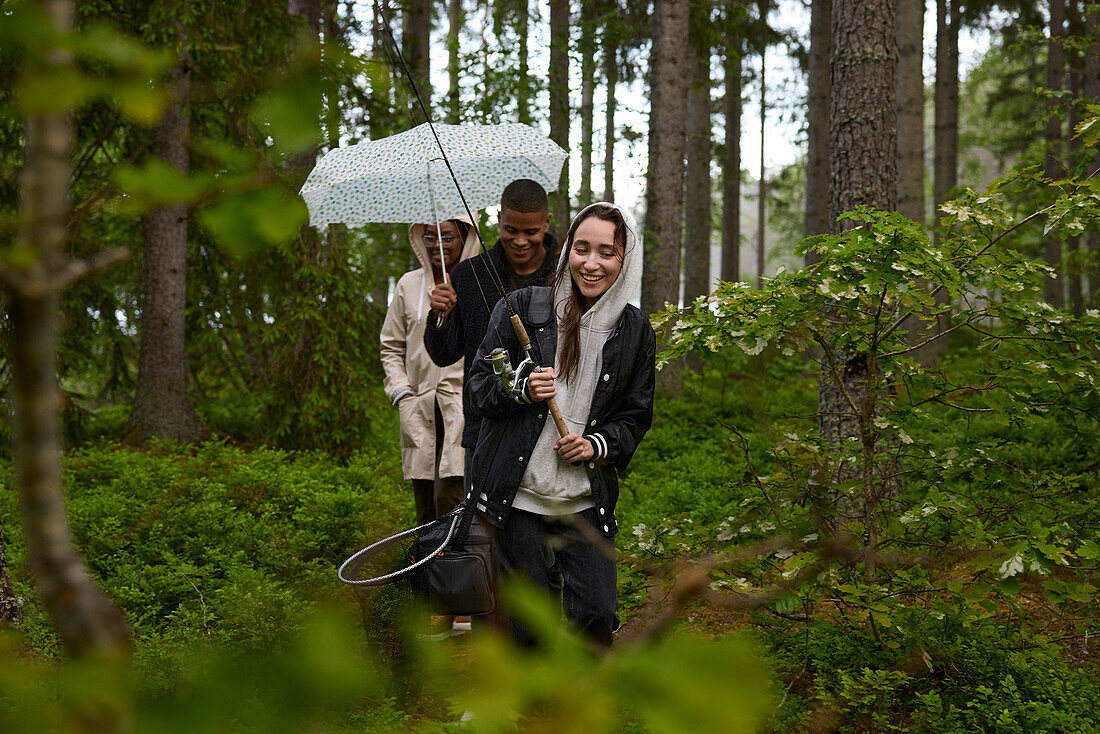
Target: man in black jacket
{"x":523,"y":256}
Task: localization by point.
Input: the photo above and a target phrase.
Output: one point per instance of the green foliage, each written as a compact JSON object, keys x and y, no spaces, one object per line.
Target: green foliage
{"x":217,"y":543}
{"x":675,"y":684}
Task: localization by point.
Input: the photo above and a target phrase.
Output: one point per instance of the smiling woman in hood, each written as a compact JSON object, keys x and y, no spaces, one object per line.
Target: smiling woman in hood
{"x":597,"y":350}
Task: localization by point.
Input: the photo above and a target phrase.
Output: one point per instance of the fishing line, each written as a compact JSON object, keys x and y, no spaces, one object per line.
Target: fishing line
{"x":491,"y":269}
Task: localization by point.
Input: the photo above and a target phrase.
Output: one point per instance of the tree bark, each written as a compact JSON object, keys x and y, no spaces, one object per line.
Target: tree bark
{"x":819,"y":93}
{"x":863,"y":116}
{"x":1074,"y":72}
{"x":697,"y":204}
{"x":910,"y":29}
{"x":911,"y":109}
{"x":730,"y":269}
{"x":863,"y":165}
{"x":456,"y":17}
{"x":817,"y":120}
{"x":523,"y":73}
{"x":946,"y":126}
{"x":86,"y":620}
{"x":1053,"y":289}
{"x":162,"y":408}
{"x":588,"y":91}
{"x":559,"y":106}
{"x":668,"y":79}
{"x":1092,"y":91}
{"x":611,"y":81}
{"x":416,"y":40}
{"x":762,"y":187}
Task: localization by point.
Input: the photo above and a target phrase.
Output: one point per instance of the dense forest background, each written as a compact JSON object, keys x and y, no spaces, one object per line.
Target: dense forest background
{"x":868,"y":499}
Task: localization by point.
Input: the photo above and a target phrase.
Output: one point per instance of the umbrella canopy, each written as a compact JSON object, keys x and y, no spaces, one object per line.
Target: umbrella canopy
{"x":403,"y":178}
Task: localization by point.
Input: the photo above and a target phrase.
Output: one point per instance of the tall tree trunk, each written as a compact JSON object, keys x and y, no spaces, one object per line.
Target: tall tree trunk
{"x":911,"y":109}
{"x":611,"y":80}
{"x":817,"y":122}
{"x":588,"y":91}
{"x":1074,"y":71}
{"x":1053,"y":289}
{"x":910,"y":29}
{"x":87,"y":621}
{"x":381,"y":123}
{"x":334,"y":39}
{"x":456,"y":17}
{"x":697,"y":204}
{"x":523,"y":72}
{"x":946,"y":127}
{"x":162,"y":408}
{"x":762,"y":187}
{"x":730,"y":269}
{"x":416,"y":43}
{"x":559,"y":105}
{"x":668,"y":80}
{"x":863,"y":165}
{"x":1092,"y":91}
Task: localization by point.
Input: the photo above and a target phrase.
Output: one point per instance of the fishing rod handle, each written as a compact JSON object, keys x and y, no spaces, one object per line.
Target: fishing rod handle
{"x":551,"y":403}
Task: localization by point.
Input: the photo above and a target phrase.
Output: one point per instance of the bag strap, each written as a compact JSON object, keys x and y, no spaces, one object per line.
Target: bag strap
{"x":463,"y":529}
{"x":352,"y":565}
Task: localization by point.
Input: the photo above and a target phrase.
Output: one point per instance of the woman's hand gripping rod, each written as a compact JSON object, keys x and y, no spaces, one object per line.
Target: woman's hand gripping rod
{"x":513,"y":377}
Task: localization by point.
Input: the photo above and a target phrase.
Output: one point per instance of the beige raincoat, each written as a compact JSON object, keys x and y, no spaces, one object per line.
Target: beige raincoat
{"x":410,"y":371}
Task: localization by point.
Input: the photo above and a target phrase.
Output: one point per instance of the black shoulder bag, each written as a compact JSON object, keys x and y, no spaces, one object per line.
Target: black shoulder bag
{"x":451,"y":563}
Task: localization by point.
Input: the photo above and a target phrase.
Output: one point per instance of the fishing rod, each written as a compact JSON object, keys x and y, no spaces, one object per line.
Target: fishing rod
{"x":499,"y":366}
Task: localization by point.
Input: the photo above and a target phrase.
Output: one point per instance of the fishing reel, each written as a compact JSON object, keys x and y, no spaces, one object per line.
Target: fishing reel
{"x":513,"y":379}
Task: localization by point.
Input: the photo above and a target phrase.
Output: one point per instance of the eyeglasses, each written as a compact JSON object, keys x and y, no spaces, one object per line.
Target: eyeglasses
{"x":431,"y":239}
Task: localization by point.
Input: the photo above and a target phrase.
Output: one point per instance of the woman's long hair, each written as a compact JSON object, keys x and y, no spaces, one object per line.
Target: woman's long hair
{"x":569,"y":327}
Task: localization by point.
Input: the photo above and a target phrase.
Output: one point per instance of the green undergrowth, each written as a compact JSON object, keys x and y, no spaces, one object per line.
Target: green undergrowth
{"x":222,"y":557}
{"x":214,"y":543}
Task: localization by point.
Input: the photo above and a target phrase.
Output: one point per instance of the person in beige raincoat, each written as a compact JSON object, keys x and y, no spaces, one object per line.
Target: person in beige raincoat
{"x":428,"y":397}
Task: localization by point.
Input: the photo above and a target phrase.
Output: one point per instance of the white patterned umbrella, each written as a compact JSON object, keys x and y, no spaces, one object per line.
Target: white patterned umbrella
{"x":403,"y":178}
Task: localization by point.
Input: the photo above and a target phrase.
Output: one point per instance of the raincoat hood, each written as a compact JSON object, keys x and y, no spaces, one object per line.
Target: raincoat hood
{"x":416,"y":240}
{"x":604,"y":312}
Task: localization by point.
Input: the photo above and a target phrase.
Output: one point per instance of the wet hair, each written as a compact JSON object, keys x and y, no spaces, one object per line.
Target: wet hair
{"x":569,"y":327}
{"x":524,"y":195}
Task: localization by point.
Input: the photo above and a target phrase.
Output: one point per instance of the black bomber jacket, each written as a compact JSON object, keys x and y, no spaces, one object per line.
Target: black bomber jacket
{"x":620,"y":415}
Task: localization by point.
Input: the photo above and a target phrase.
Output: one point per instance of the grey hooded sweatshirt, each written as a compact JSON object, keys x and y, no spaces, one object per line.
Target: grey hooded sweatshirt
{"x":551,"y":485}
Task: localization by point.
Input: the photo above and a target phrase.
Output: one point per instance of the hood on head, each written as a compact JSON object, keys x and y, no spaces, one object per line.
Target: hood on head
{"x":607,"y":309}
{"x":416,"y":240}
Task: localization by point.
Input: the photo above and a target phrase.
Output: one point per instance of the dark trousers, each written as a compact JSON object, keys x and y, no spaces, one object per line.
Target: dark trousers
{"x":569,"y":553}
{"x":436,"y":497}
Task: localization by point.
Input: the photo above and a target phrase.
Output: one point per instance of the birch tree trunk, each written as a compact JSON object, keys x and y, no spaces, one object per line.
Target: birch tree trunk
{"x":668,"y":80}
{"x":730,"y":269}
{"x":86,"y":620}
{"x":559,"y":106}
{"x":817,"y":122}
{"x":162,"y":408}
